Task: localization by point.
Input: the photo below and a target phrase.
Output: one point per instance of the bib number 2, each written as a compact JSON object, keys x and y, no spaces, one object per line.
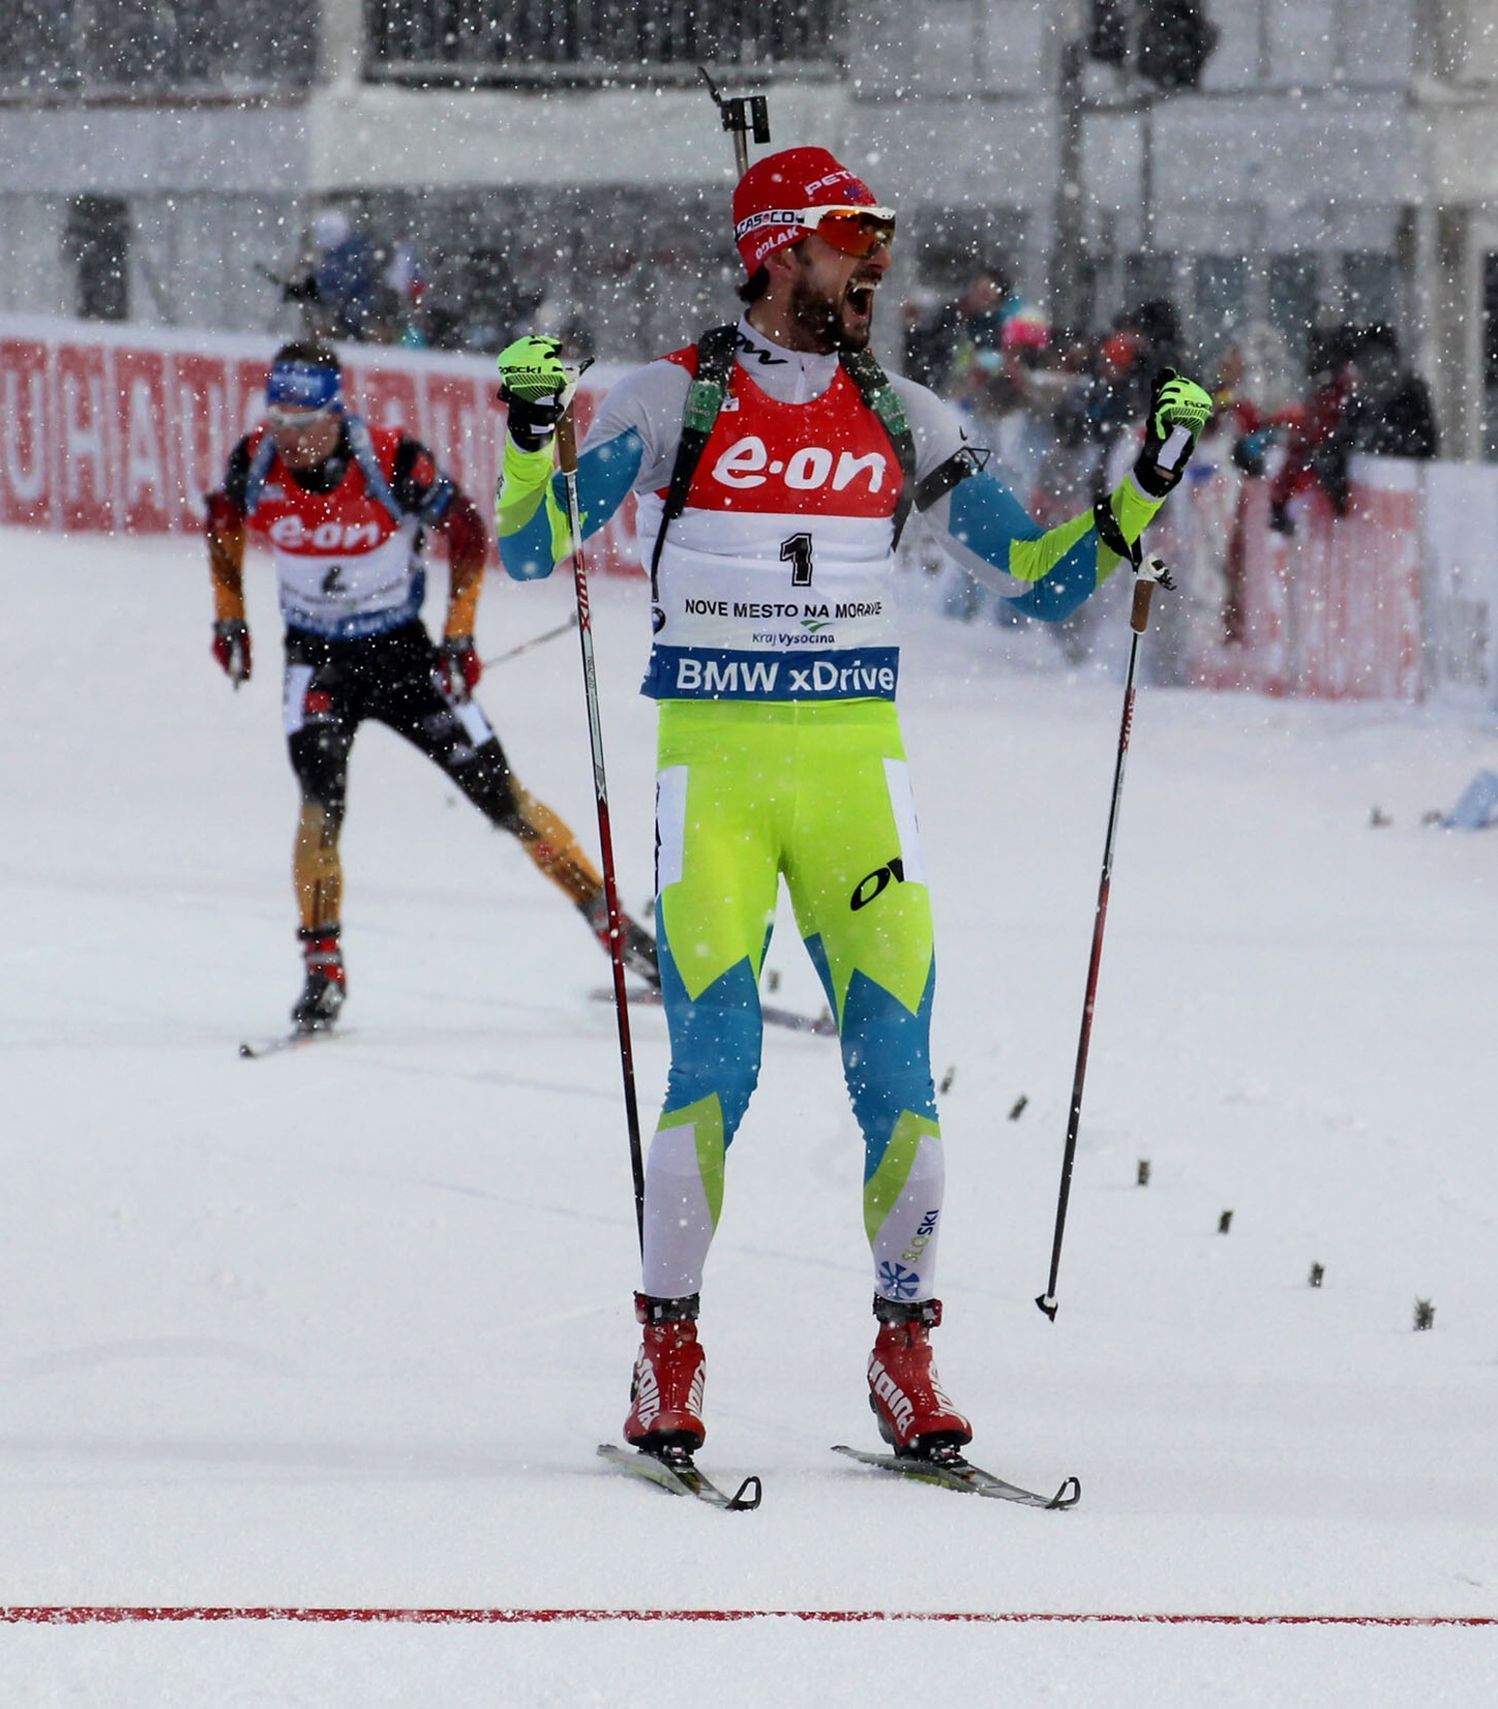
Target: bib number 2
{"x":797,"y":551}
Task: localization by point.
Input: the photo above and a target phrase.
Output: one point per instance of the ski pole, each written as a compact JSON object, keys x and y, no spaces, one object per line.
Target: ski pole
{"x":567,"y":457}
{"x":1150,"y":571}
{"x":535,"y":641}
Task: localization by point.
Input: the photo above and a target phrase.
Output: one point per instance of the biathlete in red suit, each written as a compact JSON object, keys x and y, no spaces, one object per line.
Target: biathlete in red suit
{"x":345,"y":509}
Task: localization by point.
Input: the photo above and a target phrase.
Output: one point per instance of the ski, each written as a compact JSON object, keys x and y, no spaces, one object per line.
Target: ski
{"x":253,"y":1049}
{"x":675,"y":1471}
{"x":951,"y":1471}
{"x":793,"y":1020}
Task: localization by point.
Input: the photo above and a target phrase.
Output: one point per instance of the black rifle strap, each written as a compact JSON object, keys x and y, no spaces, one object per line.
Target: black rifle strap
{"x":969,"y":460}
{"x":1112,"y":536}
{"x":881,"y":397}
{"x":715,"y":354}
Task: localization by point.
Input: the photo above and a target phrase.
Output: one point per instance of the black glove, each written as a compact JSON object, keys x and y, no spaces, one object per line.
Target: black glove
{"x":458,"y":667}
{"x":532,"y":422}
{"x":231,"y":648}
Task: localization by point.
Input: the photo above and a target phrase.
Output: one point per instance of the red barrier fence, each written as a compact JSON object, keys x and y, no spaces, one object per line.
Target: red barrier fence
{"x":1333,"y":611}
{"x":123,"y":430}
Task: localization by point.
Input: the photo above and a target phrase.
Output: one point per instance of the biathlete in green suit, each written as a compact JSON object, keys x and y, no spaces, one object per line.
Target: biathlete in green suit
{"x":775,"y":465}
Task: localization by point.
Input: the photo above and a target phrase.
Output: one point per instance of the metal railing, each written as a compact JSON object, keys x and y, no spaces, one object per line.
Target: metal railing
{"x":508,"y":41}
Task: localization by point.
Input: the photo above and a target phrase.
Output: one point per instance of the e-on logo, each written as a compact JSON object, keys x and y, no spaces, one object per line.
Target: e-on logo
{"x":746,"y":463}
{"x":293,"y":535}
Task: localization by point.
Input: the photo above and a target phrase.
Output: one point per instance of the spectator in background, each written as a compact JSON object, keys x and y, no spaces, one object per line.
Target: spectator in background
{"x":1391,"y":413}
{"x":930,"y":338}
{"x":492,"y":308}
{"x":1121,"y":376}
{"x":1255,"y":404}
{"x":1028,"y":429}
{"x":992,"y":392}
{"x":405,"y":278}
{"x":1142,"y":340}
{"x":385,"y":322}
{"x":441,"y":325}
{"x":1055,"y":383}
{"x":1318,"y":441}
{"x":1159,"y":327}
{"x":1255,"y":392}
{"x":986,"y":304}
{"x":346,"y":274}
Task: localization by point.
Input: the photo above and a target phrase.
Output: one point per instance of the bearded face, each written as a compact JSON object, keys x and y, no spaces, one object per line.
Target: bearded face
{"x":831,"y":303}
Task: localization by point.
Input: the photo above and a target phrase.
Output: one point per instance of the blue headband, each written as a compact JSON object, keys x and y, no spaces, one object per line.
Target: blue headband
{"x":303,"y":385}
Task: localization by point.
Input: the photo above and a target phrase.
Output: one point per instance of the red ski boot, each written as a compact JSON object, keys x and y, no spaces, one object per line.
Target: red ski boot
{"x":326,"y":985}
{"x":914,"y":1416}
{"x":665,"y":1397}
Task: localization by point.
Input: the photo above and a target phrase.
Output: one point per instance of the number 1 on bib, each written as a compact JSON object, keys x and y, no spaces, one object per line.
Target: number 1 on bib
{"x":797,"y":551}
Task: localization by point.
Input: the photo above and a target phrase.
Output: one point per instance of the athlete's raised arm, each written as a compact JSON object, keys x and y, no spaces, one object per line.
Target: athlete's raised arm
{"x":629,"y":441}
{"x":1046,"y":572}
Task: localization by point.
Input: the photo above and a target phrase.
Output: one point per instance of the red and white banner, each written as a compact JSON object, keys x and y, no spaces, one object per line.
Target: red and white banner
{"x":121,"y":430}
{"x":110,"y":429}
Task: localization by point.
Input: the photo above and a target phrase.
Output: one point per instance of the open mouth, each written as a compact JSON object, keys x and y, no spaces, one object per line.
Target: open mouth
{"x":860,"y":297}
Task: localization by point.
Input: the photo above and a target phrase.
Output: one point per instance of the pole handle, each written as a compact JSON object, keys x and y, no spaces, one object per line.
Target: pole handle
{"x":1149,"y":573}
{"x":567,"y":442}
{"x":1139,"y":619}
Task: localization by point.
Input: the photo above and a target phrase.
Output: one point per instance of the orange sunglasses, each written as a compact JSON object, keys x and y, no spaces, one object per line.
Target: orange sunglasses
{"x":854,"y":231}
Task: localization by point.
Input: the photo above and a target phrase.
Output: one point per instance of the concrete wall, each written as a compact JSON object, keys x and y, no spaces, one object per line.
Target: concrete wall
{"x":145,"y":150}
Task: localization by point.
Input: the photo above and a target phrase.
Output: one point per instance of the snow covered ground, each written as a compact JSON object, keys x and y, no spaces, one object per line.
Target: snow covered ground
{"x":341,"y":1329}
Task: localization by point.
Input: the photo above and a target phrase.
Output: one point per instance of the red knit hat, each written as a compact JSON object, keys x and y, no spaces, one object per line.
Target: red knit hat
{"x":775,"y":191}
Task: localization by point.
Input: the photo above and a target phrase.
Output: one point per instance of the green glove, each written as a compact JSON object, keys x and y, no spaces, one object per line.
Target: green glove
{"x":532,"y":368}
{"x":536,"y":386}
{"x":1178,"y":411}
